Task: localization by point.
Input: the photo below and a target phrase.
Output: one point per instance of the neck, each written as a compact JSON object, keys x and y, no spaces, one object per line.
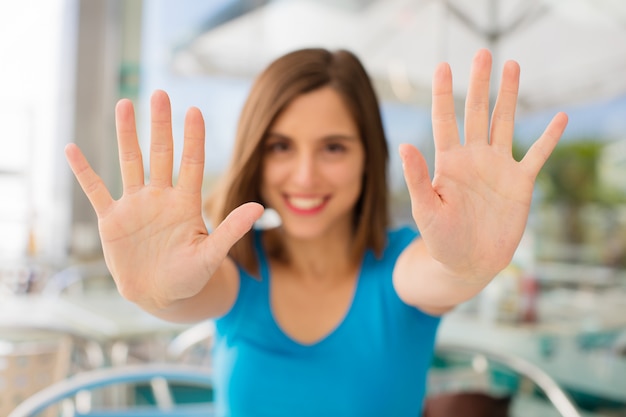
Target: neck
{"x":328,"y":258}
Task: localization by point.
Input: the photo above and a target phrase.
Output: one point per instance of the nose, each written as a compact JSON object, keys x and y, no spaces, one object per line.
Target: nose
{"x":305,"y":171}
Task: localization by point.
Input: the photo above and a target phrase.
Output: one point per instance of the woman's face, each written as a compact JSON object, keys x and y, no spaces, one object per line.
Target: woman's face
{"x":313,"y":165}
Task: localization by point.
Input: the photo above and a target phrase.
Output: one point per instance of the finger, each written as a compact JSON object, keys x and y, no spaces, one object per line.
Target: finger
{"x":503,"y":121}
{"x":192,"y":164}
{"x":540,"y":151}
{"x":421,"y":192}
{"x":445,"y":129}
{"x":131,"y":162}
{"x":89,"y":181}
{"x":161,"y":143}
{"x":234,"y":226}
{"x":477,"y":101}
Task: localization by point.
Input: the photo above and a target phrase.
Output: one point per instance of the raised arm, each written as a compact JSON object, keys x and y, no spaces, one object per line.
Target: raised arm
{"x":154,"y":239}
{"x":473,"y":213}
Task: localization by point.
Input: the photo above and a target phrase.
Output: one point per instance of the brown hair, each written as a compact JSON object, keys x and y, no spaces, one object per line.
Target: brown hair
{"x":283,"y":80}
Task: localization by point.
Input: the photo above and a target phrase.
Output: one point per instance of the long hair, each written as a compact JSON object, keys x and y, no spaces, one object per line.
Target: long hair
{"x":283,"y":80}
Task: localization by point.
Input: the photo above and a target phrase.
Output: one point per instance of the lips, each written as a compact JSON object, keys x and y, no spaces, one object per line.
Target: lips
{"x":306,"y":205}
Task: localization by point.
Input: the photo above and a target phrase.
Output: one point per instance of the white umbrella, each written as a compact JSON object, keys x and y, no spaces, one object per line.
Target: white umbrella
{"x":570,"y":51}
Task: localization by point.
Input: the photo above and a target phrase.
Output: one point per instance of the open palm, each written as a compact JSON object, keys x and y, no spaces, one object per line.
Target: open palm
{"x":154,"y":239}
{"x":473,"y":213}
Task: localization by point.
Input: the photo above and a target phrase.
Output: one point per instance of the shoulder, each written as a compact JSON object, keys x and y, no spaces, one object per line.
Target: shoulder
{"x":398,"y":239}
{"x":380,"y":272}
{"x":250,"y":284}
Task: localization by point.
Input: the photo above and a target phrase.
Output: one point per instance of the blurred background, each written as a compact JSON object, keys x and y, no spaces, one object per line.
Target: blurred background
{"x":65,"y":63}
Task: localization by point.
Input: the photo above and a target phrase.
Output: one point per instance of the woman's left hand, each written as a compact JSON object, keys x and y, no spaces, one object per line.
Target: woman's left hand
{"x":474,"y":211}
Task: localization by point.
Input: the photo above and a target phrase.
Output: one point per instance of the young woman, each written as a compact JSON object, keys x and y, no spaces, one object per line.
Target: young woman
{"x":331,"y":313}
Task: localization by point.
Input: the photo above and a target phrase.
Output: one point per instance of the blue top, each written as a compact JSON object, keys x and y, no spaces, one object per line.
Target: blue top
{"x":373,"y":364}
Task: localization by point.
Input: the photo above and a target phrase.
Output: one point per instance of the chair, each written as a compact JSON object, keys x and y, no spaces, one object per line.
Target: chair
{"x":32,"y":358}
{"x":86,"y":279}
{"x":157,"y":376}
{"x":473,"y":381}
{"x":193,"y":345}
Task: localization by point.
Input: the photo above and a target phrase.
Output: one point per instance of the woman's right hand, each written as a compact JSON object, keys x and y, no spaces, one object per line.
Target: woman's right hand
{"x":154,"y":239}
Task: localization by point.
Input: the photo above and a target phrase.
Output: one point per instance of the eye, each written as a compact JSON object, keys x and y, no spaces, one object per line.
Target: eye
{"x":335,"y":147}
{"x":277,"y":146}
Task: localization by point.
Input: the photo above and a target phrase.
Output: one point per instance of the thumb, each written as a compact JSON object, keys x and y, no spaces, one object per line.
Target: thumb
{"x":421,"y":192}
{"x":234,"y":226}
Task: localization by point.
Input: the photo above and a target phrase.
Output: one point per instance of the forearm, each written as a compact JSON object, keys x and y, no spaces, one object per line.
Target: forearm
{"x":422,"y":281}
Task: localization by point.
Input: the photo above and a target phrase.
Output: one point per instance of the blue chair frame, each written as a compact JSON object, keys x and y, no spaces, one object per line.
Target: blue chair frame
{"x":159,"y":376}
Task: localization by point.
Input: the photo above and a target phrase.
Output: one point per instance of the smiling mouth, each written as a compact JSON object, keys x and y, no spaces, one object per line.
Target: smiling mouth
{"x":306,"y":204}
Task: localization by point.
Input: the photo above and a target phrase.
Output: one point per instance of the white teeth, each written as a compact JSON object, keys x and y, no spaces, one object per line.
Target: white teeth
{"x":305,"y":203}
